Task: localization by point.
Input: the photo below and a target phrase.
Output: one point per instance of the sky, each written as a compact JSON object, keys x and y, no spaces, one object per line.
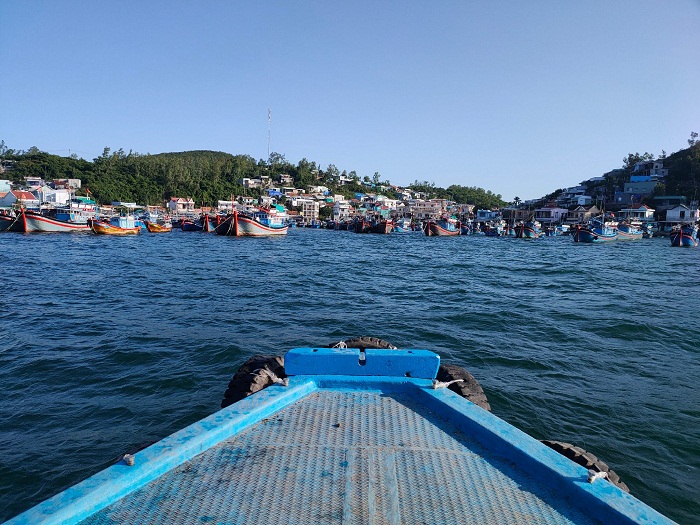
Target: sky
{"x":519,"y":98}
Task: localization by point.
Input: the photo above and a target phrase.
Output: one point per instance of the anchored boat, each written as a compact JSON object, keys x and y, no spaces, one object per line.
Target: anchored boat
{"x":347,"y":435}
{"x":261,"y":223}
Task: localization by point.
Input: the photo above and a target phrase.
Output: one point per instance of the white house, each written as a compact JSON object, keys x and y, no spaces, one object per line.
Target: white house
{"x":638,"y":211}
{"x":550,"y":214}
{"x":682,"y":213}
{"x":20,"y":198}
{"x":310,"y":209}
{"x":46,"y":194}
{"x":5,"y":186}
{"x":180,"y":205}
{"x":341,"y":210}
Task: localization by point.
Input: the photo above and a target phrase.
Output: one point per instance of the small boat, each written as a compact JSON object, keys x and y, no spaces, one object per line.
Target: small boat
{"x":115,"y":226}
{"x":596,"y":230}
{"x":154,"y":227}
{"x":405,"y":225}
{"x":188,"y":225}
{"x":684,"y":235}
{"x":262,"y":223}
{"x":629,"y":230}
{"x":347,"y":435}
{"x":382,"y":226}
{"x":527,"y":230}
{"x":361,"y":225}
{"x":441,"y":227}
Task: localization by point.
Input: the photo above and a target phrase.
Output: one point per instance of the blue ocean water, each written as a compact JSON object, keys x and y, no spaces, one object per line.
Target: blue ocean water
{"x":110,"y":343}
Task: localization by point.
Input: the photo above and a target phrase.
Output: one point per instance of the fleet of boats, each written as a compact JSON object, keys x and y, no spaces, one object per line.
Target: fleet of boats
{"x":263,"y":222}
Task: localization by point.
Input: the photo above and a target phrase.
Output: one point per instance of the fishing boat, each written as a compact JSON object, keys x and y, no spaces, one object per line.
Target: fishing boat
{"x":361,"y":225}
{"x":123,"y":225}
{"x":596,"y":230}
{"x":441,"y":227}
{"x":261,"y":223}
{"x":527,"y":230}
{"x":684,"y":235}
{"x":382,"y":226}
{"x":62,"y":221}
{"x":12,"y":221}
{"x":629,"y":230}
{"x":403,"y":225}
{"x":154,"y":227}
{"x":189,"y":225}
{"x":347,"y":435}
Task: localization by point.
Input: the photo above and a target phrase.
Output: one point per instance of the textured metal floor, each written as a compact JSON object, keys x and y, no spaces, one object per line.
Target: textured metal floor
{"x":345,"y":457}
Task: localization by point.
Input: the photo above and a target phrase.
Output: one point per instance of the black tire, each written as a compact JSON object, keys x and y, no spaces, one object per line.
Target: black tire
{"x":469,"y":388}
{"x":586,"y":459}
{"x":246,"y":381}
{"x":364,"y":342}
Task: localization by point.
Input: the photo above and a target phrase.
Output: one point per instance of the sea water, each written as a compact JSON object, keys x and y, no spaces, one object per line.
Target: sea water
{"x":108,"y":344}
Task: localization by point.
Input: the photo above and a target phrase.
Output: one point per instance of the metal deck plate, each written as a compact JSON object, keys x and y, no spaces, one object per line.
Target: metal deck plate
{"x":343,"y":456}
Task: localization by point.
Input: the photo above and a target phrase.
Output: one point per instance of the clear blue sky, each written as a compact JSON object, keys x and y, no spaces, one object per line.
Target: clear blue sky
{"x":519,"y":98}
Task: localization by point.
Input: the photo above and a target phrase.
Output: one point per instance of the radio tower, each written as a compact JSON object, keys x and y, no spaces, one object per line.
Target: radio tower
{"x":269,"y":114}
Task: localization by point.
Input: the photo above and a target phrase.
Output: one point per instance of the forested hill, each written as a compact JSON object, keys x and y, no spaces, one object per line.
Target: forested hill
{"x":205,"y":176}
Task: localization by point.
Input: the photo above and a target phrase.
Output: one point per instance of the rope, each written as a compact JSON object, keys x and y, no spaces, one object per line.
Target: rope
{"x":444,"y":384}
{"x":340,"y":344}
{"x":13,"y":223}
{"x":593,"y":475}
{"x":271,"y":375}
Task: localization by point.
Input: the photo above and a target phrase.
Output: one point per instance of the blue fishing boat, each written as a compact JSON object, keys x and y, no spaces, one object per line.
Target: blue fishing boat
{"x":596,"y":230}
{"x":629,"y":230}
{"x":527,"y":230}
{"x":347,"y":435}
{"x":442,"y":227}
{"x":684,"y":235}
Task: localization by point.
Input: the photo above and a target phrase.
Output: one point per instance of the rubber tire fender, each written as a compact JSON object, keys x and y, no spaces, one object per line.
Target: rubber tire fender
{"x":246,"y":381}
{"x":469,"y":388}
{"x":586,"y":459}
{"x":364,"y":342}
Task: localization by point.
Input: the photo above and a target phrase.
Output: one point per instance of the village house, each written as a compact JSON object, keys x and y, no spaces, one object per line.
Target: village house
{"x":285,"y":179}
{"x":73,"y":184}
{"x":341,"y":210}
{"x":310,"y":210}
{"x":59,"y":196}
{"x":581,"y":214}
{"x":550,"y":214}
{"x":637,"y":211}
{"x":5,"y":185}
{"x":20,"y":198}
{"x":180,"y":205}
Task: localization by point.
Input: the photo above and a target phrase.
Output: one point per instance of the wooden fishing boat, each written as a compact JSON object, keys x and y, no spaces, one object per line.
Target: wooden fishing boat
{"x":188,"y":225}
{"x":120,"y":226}
{"x":262,"y":223}
{"x":350,"y":435}
{"x":527,"y":230}
{"x":684,"y":235}
{"x":441,"y":228}
{"x":382,"y":226}
{"x":595,"y":231}
{"x":59,"y":223}
{"x":629,"y":230}
{"x":154,"y":227}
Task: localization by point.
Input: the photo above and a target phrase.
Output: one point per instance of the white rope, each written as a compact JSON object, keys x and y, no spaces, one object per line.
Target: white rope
{"x":340,"y":344}
{"x":593,"y":475}
{"x":444,"y":384}
{"x":266,"y":372}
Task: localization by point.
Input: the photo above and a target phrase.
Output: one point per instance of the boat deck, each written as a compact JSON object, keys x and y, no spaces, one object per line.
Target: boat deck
{"x":369,"y":441}
{"x":346,"y":457}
